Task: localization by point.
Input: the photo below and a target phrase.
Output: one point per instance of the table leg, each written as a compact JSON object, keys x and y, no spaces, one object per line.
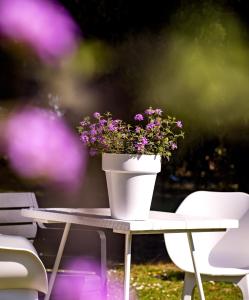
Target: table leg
{"x":195,"y":265}
{"x":127,"y":270}
{"x":57,"y":260}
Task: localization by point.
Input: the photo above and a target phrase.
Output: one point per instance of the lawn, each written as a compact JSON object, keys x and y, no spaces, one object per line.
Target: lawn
{"x":164,"y":281}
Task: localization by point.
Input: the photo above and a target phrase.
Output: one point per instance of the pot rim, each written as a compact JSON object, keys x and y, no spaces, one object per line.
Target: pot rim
{"x":142,"y":163}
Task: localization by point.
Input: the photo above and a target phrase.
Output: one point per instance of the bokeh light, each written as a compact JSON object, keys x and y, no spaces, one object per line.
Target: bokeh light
{"x":41,"y":145}
{"x":43,"y":25}
{"x":84,"y":282}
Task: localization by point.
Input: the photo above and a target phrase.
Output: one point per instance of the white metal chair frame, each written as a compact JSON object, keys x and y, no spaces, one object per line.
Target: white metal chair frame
{"x":222,"y":256}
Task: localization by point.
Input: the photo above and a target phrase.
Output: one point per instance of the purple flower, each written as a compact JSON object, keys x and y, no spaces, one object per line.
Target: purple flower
{"x":158,"y":111}
{"x":144,"y":141}
{"x":93,"y":131}
{"x":137,"y":129}
{"x":96,"y":115}
{"x":150,"y":126}
{"x":157,"y":123}
{"x":93,"y":139}
{"x":84,"y":138}
{"x":116,"y":122}
{"x":179,"y":124}
{"x":39,"y":146}
{"x":83,"y":123}
{"x":111,"y":127}
{"x":173,"y":146}
{"x":44,"y":25}
{"x":101,"y":139}
{"x":138,"y":117}
{"x":93,"y":126}
{"x":100,"y":130}
{"x":149,"y":111}
{"x":102,"y":122}
{"x":139,"y":146}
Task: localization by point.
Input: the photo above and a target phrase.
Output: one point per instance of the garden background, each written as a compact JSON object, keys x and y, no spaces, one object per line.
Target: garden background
{"x":189,"y":58}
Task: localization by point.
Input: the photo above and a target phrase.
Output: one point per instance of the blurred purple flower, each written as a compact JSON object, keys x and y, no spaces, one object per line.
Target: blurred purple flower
{"x":116,"y":122}
{"x":101,"y":139}
{"x":44,"y":25}
{"x":102,"y":122}
{"x":83,"y":123}
{"x":39,"y":146}
{"x":87,"y":284}
{"x":93,"y":126}
{"x":111,"y":127}
{"x":144,"y":141}
{"x":173,"y":146}
{"x":83,"y":286}
{"x":100,"y":129}
{"x":84,"y":138}
{"x":138,"y":117}
{"x":149,"y":111}
{"x":179,"y":124}
{"x":157,"y":123}
{"x":93,"y":139}
{"x":137,"y":129}
{"x":139,"y":146}
{"x":96,"y":115}
{"x":93,"y":131}
{"x":150,"y":126}
{"x":158,"y":111}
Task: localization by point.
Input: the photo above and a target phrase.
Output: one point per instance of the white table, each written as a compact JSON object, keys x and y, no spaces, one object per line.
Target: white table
{"x":158,"y":222}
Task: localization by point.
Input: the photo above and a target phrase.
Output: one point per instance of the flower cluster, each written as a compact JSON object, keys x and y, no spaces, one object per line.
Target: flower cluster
{"x":151,"y":133}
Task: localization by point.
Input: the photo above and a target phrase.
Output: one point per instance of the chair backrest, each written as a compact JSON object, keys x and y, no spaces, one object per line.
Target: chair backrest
{"x":11,"y":220}
{"x":225,"y":249}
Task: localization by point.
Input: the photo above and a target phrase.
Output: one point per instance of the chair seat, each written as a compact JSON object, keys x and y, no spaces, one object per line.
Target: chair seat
{"x":222,"y":256}
{"x":20,"y":266}
{"x":224,"y":271}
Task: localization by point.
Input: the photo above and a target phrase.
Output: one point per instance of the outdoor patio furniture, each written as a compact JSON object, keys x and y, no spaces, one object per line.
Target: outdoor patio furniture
{"x":157,"y":223}
{"x":22,"y":273}
{"x":22,"y":228}
{"x":221,"y":256}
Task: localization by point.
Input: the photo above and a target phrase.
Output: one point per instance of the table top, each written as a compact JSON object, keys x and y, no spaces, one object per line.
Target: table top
{"x":158,"y":221}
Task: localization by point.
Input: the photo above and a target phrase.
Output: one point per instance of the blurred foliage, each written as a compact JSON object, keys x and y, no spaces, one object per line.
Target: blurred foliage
{"x":201,"y":71}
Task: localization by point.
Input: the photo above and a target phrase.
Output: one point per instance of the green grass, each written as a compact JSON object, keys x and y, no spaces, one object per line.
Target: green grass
{"x":164,"y":282}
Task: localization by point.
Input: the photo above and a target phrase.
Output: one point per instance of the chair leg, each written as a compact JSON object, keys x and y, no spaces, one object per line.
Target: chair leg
{"x":244,"y":286}
{"x":103,"y":264}
{"x":188,"y":287}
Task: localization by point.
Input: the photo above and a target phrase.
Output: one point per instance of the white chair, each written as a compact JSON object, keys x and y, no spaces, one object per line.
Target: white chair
{"x":222,"y":256}
{"x":22,"y":273}
{"x":20,"y":229}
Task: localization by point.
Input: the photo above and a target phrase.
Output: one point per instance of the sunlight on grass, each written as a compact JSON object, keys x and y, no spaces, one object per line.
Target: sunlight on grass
{"x":165,"y":282}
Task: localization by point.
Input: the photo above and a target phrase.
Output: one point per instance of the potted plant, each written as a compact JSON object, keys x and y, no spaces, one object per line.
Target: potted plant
{"x":131,"y":156}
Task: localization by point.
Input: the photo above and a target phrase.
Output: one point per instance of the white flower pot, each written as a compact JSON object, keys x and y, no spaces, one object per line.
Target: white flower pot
{"x":130,"y":183}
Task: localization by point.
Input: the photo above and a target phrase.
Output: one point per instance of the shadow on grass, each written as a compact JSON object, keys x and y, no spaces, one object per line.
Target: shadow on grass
{"x":171,"y":276}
